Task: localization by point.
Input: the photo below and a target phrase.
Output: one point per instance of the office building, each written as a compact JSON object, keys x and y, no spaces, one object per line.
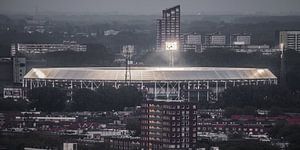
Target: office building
{"x":290,"y":40}
{"x":168,"y":28}
{"x":215,"y":39}
{"x":240,"y":39}
{"x":192,"y":42}
{"x":46,"y":48}
{"x":192,"y":39}
{"x":168,"y":124}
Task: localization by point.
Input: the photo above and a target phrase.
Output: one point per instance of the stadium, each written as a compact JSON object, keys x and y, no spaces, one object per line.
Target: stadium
{"x":191,"y":83}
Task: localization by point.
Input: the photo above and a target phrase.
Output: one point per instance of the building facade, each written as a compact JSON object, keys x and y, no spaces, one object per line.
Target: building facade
{"x":168,"y":28}
{"x":215,"y":39}
{"x":46,"y":48}
{"x":192,"y":42}
{"x":19,"y":69}
{"x":290,"y":39}
{"x":240,"y":39}
{"x":168,"y":124}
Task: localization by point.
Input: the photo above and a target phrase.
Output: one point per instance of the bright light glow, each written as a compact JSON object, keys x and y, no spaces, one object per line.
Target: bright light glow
{"x":171,"y":46}
{"x":39,"y":73}
{"x":281,"y":46}
{"x":260,"y":71}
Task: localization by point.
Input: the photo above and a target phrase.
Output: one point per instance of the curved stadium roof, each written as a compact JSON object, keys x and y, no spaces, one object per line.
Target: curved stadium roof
{"x":150,"y":73}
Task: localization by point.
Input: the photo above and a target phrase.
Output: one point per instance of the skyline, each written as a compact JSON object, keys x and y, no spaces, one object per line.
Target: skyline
{"x":153,"y":7}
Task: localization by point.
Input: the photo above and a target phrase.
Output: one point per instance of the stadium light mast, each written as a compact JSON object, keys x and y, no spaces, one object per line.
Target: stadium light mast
{"x":128,"y":51}
{"x":282,"y":67}
{"x":171,"y":46}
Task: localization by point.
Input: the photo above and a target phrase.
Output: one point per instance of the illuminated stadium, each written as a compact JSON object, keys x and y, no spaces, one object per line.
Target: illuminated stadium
{"x":193,"y":83}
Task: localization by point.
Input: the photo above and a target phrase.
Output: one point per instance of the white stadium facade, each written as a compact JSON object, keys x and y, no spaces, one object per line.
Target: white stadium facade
{"x":192,"y":83}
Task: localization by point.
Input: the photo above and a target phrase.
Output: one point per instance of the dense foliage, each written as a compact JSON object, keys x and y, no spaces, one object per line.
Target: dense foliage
{"x":47,"y":99}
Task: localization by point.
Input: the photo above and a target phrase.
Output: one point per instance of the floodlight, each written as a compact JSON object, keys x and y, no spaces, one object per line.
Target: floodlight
{"x":171,"y":46}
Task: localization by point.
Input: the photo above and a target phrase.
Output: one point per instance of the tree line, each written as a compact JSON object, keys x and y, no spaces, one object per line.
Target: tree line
{"x":51,"y":99}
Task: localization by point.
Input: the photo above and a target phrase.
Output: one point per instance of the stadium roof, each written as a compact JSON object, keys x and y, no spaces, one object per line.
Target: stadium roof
{"x":150,"y":73}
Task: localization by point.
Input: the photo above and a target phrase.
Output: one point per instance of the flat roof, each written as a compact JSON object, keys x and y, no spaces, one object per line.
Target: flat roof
{"x":150,"y":73}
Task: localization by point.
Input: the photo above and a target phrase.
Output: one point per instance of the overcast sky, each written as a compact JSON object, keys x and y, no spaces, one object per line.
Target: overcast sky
{"x":150,"y":6}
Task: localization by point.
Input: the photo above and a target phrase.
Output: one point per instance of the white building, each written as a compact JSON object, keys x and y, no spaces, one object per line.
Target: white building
{"x":215,"y":39}
{"x":46,"y":48}
{"x":240,"y":39}
{"x":192,"y":42}
{"x":70,"y":146}
{"x":193,"y":39}
{"x":290,"y":39}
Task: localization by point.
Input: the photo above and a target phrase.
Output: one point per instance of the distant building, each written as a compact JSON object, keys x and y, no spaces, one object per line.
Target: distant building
{"x":240,"y":39}
{"x":215,"y":39}
{"x":123,"y":143}
{"x":168,"y":124}
{"x":6,"y":67}
{"x":168,"y":28}
{"x":192,"y":42}
{"x":290,"y":39}
{"x":111,"y":32}
{"x":46,"y":48}
{"x":70,"y":146}
{"x":19,"y":69}
{"x":13,"y":92}
{"x":193,"y":39}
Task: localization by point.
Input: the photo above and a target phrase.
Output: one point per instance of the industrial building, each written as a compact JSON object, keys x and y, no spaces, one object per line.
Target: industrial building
{"x":176,"y":83}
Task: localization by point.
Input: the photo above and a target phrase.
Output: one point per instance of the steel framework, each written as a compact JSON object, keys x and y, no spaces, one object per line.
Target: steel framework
{"x":196,"y":90}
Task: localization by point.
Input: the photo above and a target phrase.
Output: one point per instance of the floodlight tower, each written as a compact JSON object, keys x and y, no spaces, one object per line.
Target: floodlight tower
{"x":282,"y":67}
{"x":128,"y":51}
{"x":171,"y":46}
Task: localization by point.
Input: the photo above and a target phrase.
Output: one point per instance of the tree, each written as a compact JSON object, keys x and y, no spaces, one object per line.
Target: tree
{"x":47,"y":99}
{"x":86,"y":100}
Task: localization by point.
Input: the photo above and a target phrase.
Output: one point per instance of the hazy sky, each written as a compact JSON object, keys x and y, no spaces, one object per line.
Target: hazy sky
{"x":150,"y":6}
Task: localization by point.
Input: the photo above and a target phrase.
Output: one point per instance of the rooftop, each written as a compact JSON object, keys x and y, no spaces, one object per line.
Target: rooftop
{"x":150,"y":73}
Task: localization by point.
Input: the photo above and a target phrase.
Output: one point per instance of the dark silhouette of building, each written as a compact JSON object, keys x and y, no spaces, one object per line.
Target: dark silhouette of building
{"x":168,"y":124}
{"x":168,"y":27}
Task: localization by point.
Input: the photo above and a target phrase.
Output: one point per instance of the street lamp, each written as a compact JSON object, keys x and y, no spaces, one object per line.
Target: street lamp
{"x":171,"y":46}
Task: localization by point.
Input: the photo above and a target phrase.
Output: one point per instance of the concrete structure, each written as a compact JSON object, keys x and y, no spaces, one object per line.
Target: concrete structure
{"x":240,"y":39}
{"x":168,"y":124}
{"x":215,"y":39}
{"x":192,"y":42}
{"x":193,"y":39}
{"x":290,"y":39}
{"x":191,"y":83}
{"x":46,"y":48}
{"x":123,"y":143}
{"x":70,"y":146}
{"x":168,"y":28}
{"x":19,"y":69}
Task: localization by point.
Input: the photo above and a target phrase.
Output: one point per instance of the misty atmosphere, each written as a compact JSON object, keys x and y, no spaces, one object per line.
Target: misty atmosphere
{"x":158,"y":74}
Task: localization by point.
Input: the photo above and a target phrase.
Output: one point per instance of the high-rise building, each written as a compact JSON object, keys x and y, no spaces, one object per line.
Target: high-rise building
{"x":290,"y":39}
{"x":168,"y":28}
{"x":168,"y":124}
